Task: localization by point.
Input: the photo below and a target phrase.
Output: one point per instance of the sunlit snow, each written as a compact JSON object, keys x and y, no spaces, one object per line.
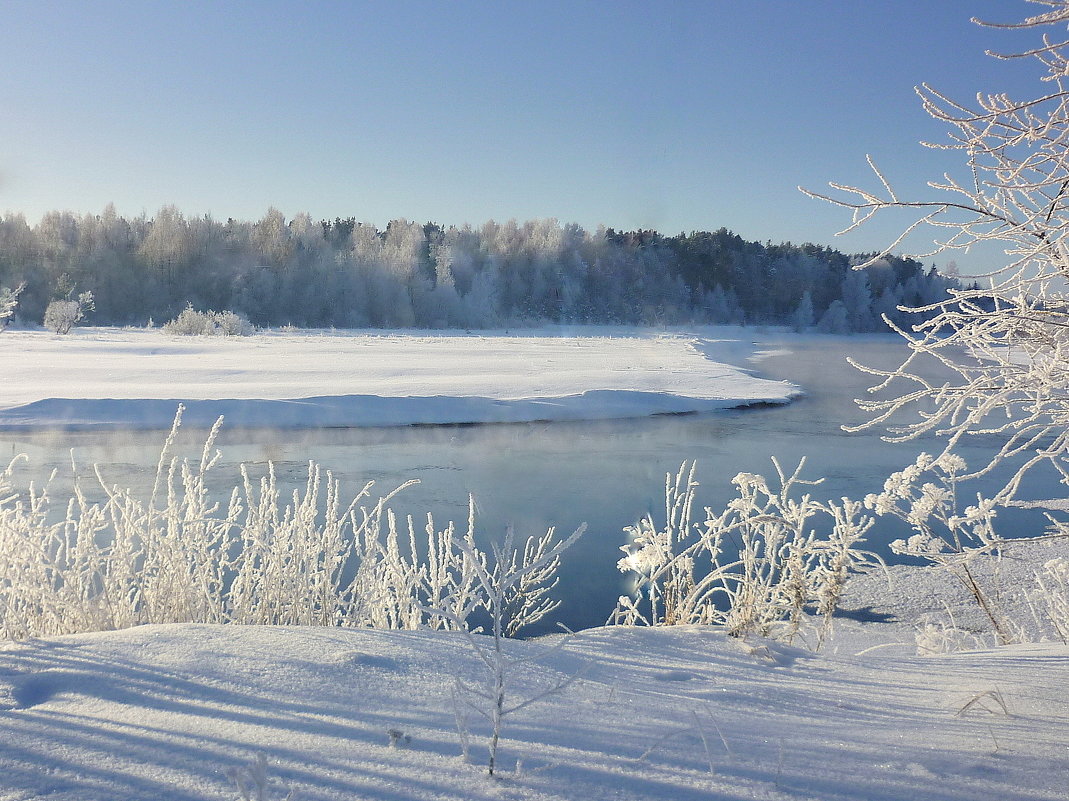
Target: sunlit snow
{"x":313,"y":379}
{"x":676,"y":714}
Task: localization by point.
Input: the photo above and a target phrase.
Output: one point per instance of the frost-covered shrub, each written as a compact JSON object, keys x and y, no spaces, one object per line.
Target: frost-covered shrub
{"x":966,"y":544}
{"x":61,"y":315}
{"x":925,"y":496}
{"x":943,"y":636}
{"x":688,"y":573}
{"x":512,"y":586}
{"x":1050,"y":598}
{"x":190,"y":323}
{"x":260,"y":557}
{"x":231,"y":324}
{"x":9,"y":301}
{"x":194,"y":323}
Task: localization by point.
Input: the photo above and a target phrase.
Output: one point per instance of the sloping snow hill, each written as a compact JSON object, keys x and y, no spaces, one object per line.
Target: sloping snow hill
{"x":679,"y":714}
{"x":136,"y":378}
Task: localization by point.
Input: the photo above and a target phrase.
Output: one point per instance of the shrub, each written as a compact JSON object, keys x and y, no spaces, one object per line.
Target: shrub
{"x":190,"y":323}
{"x":9,"y":301}
{"x":209,"y":323}
{"x":686,"y":573}
{"x":231,"y":324}
{"x":61,"y":315}
{"x":966,"y":544}
{"x":181,"y":557}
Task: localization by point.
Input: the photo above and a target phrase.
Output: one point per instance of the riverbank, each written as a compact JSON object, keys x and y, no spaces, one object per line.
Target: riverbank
{"x":135,"y":378}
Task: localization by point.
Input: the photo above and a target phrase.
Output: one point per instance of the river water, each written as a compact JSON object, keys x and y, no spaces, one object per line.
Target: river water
{"x":606,"y":474}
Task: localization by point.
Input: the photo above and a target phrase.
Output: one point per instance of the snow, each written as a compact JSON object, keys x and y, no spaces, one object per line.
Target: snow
{"x":674,"y":713}
{"x":136,"y":377}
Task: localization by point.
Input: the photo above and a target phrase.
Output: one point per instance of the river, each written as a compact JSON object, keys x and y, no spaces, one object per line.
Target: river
{"x":606,"y":474}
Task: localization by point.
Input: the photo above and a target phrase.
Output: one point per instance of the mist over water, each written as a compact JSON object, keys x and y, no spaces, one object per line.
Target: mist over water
{"x":605,"y":473}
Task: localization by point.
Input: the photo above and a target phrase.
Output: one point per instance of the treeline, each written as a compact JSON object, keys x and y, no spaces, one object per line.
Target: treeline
{"x":344,"y":273}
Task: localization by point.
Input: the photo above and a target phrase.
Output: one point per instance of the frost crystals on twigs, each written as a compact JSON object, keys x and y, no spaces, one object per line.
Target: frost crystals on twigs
{"x":753,"y":568}
{"x":513,"y":587}
{"x":1005,"y":343}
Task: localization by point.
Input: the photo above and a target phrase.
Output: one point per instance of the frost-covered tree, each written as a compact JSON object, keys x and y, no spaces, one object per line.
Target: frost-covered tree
{"x":886,"y":308}
{"x":351,"y":274}
{"x":9,"y":301}
{"x":61,"y":315}
{"x":167,"y":245}
{"x":1006,"y":341}
{"x":835,"y":319}
{"x":857,"y":298}
{"x":802,"y":319}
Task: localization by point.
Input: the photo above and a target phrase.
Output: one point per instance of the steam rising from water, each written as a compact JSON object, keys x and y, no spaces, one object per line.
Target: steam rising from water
{"x":537,"y":475}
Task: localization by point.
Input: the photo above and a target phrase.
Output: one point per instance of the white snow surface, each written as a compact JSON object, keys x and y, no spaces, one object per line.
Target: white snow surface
{"x":136,"y":377}
{"x":673,"y":714}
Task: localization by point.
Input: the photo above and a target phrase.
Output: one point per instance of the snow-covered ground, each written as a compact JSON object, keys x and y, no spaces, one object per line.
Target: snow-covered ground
{"x":136,"y":377}
{"x":163,"y":712}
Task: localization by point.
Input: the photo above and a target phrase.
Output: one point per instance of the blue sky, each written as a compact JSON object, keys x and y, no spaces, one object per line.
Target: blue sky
{"x":669,"y":115}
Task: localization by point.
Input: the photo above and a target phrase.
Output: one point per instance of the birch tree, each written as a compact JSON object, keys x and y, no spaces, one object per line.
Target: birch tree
{"x":1006,"y":339}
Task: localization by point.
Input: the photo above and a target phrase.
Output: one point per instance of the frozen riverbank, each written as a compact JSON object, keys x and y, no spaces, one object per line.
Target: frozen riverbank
{"x":135,"y":378}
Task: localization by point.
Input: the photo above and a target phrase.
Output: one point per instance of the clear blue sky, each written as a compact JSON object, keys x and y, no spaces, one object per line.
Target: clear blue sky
{"x":669,"y":115}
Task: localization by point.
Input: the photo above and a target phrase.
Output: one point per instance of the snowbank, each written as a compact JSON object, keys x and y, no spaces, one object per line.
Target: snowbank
{"x":136,"y":378}
{"x":678,"y":714}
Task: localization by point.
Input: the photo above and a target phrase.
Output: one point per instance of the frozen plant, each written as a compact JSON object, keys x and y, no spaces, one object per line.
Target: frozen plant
{"x":9,"y":301}
{"x":502,"y":578}
{"x":191,"y":322}
{"x":662,"y":559}
{"x":1049,"y":598}
{"x":942,"y":636}
{"x":253,"y":784}
{"x":754,"y":568}
{"x":61,"y":315}
{"x":1003,"y":338}
{"x":231,"y":324}
{"x":966,"y":544}
{"x":256,"y":557}
{"x":925,"y":496}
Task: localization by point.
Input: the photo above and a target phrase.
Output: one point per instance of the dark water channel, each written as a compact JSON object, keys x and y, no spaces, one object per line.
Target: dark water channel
{"x":606,"y":474}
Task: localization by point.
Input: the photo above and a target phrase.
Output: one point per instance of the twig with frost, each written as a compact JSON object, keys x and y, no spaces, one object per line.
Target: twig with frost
{"x":252,"y":782}
{"x":461,"y":722}
{"x":990,"y":701}
{"x":1004,"y":339}
{"x":705,"y":741}
{"x":697,"y":729}
{"x":499,"y":580}
{"x":925,"y":496}
{"x":9,"y":301}
{"x":691,"y":574}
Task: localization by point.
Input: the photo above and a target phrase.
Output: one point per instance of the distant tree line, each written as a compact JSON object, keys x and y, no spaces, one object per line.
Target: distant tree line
{"x":344,"y":273}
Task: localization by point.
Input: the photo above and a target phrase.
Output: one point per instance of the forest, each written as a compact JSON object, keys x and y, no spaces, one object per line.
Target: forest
{"x":349,"y":274}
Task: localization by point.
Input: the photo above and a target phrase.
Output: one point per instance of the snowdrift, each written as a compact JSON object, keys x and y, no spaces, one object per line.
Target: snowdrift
{"x":676,"y":714}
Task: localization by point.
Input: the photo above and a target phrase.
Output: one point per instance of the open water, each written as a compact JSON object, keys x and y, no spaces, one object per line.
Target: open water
{"x":607,"y":474}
